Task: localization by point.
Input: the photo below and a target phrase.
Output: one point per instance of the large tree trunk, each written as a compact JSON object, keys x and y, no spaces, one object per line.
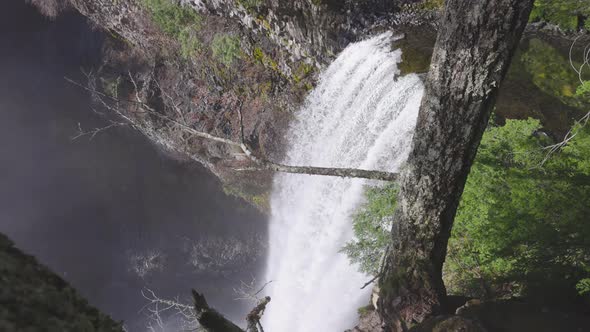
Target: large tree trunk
{"x":472,"y":53}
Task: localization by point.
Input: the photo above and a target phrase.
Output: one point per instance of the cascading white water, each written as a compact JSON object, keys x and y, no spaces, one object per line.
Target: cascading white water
{"x":362,"y":114}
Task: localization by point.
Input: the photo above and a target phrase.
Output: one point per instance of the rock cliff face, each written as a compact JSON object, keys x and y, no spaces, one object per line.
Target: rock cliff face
{"x":197,"y":62}
{"x":309,"y":30}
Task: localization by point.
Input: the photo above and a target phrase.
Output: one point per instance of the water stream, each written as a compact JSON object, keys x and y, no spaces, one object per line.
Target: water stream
{"x":361,"y":114}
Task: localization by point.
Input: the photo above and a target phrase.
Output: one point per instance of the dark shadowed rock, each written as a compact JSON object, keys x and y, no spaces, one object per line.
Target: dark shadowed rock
{"x":449,"y":324}
{"x":32,"y":298}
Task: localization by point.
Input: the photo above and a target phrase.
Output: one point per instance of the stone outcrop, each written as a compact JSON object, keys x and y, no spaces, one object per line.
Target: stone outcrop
{"x":32,"y":298}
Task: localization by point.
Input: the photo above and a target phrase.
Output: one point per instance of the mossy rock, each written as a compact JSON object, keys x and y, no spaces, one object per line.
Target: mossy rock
{"x":417,"y":46}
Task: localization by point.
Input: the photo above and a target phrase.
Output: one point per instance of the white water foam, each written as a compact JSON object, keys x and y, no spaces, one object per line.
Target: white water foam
{"x":362,"y":114}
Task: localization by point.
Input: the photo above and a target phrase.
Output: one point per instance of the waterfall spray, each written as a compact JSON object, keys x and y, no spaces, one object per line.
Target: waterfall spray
{"x":362,"y":114}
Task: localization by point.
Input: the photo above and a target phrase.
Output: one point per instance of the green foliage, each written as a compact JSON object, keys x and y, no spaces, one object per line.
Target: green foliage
{"x":522,"y":223}
{"x":264,"y":59}
{"x":372,"y":224}
{"x":189,"y":43}
{"x":258,"y":54}
{"x":363,"y":311}
{"x":171,"y":17}
{"x":583,"y":286}
{"x":111,"y":86}
{"x":578,"y":150}
{"x":518,"y":223}
{"x":553,"y":74}
{"x":583,"y":90}
{"x":302,"y":71}
{"x":179,"y":22}
{"x":565,"y":13}
{"x":226,"y":48}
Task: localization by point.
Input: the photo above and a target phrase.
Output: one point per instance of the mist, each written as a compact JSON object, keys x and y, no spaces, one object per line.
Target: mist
{"x":91,"y":207}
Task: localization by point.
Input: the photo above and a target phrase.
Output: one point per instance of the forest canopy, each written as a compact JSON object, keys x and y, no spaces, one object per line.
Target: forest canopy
{"x":522,"y":223}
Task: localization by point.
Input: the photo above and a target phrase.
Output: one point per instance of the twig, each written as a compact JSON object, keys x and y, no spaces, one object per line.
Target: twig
{"x":95,"y":131}
{"x":381,"y":267}
{"x":371,"y":281}
{"x":572,"y":133}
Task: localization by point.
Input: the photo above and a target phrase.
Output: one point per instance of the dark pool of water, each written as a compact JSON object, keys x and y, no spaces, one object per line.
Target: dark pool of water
{"x":87,"y":207}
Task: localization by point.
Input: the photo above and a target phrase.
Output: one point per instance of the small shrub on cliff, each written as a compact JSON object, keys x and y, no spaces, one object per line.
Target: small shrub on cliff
{"x":189,"y":43}
{"x":171,"y":17}
{"x":180,"y":22}
{"x":226,"y":48}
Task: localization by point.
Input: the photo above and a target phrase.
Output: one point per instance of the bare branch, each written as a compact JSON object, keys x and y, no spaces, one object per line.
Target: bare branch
{"x":198,"y":316}
{"x":241,"y":123}
{"x":175,"y":106}
{"x":381,"y":267}
{"x":92,"y":133}
{"x":572,"y":133}
{"x":247,"y":291}
{"x":370,"y":281}
{"x":157,"y":307}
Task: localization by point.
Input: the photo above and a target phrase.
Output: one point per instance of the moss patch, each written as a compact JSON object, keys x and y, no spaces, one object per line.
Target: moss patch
{"x":417,"y":47}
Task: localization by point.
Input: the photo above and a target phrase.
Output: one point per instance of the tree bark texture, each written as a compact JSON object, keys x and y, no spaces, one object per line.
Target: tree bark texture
{"x":474,"y":47}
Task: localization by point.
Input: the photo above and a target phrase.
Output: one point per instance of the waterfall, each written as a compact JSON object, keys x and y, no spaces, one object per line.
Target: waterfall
{"x":362,"y":114}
